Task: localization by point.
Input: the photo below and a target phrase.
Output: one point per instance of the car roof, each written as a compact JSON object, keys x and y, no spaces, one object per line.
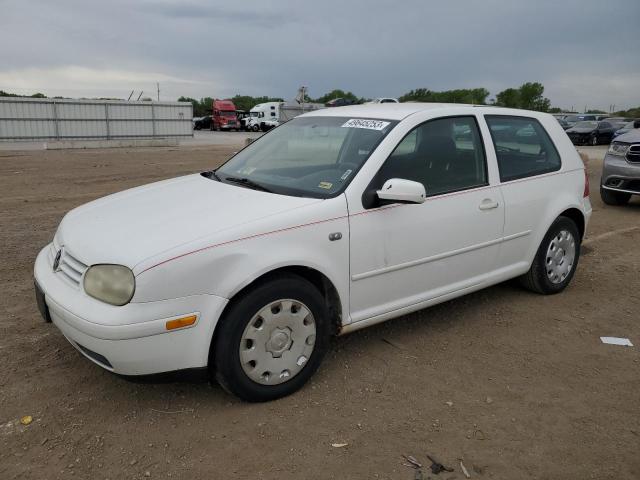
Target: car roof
{"x":400,"y":111}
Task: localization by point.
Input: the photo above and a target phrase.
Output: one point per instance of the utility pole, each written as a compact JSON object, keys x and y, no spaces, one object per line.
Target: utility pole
{"x":158,"y":85}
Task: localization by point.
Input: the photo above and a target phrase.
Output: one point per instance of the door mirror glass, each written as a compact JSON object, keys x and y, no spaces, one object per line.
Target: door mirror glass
{"x":398,"y":190}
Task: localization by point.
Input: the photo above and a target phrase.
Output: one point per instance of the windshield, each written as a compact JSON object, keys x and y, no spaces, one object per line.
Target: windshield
{"x":628,"y":125}
{"x":586,"y":125}
{"x":227,"y":114}
{"x":309,"y":157}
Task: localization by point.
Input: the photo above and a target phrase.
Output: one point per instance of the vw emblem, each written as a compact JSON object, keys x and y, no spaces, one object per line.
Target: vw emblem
{"x":56,"y":261}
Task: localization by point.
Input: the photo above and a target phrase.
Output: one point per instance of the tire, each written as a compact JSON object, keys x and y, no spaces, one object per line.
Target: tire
{"x":614,"y":198}
{"x":255,"y":128}
{"x":548,"y":274}
{"x":243,"y":352}
{"x":594,"y":140}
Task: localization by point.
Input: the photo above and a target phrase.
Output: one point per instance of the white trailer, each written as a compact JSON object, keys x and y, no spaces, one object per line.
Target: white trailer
{"x":270,"y":114}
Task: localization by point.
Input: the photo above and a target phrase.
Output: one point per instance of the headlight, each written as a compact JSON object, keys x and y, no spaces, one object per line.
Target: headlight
{"x":618,"y":149}
{"x":112,"y":284}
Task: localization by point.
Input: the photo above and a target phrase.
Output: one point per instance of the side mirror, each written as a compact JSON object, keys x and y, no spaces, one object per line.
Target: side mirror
{"x":398,"y":190}
{"x":636,"y":124}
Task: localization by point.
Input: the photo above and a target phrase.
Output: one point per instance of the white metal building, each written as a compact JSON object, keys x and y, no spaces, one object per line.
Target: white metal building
{"x":58,"y":119}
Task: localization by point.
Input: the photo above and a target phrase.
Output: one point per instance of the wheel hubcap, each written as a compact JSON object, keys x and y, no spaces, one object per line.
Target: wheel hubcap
{"x":561,"y":254}
{"x":277,"y":342}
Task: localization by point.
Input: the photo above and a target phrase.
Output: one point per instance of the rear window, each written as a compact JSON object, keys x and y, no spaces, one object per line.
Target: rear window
{"x":523,"y":147}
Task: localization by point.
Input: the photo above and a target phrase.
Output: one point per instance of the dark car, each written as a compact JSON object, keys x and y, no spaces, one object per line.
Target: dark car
{"x":627,"y":127}
{"x":202,"y":122}
{"x":339,"y":102}
{"x":582,"y":117}
{"x":591,"y":132}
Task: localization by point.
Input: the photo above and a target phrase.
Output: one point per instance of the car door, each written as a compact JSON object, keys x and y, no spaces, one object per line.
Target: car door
{"x":527,"y":167}
{"x":403,"y":255}
{"x":606,"y":131}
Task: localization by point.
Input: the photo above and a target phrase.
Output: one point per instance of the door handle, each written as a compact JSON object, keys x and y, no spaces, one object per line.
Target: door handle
{"x":488,"y":204}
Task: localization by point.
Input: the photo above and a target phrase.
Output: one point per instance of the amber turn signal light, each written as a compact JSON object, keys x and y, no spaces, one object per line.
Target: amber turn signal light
{"x":181,"y":322}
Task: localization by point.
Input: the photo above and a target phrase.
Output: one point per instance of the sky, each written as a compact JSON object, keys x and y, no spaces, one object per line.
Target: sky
{"x":585,"y":52}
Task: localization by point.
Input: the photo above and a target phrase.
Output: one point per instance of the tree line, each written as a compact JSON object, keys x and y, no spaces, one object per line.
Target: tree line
{"x":528,"y":96}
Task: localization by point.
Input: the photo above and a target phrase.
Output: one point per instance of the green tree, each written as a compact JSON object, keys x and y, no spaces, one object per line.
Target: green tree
{"x":477,"y":96}
{"x":528,"y":96}
{"x":35,"y":95}
{"x":630,"y":113}
{"x":531,"y":97}
{"x":246,"y":102}
{"x":194,"y":102}
{"x":508,"y":98}
{"x":337,"y":93}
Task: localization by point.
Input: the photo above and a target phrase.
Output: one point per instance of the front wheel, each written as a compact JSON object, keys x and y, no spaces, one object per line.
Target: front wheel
{"x":594,"y":140}
{"x":556,"y":260}
{"x":271,"y":340}
{"x":255,"y":128}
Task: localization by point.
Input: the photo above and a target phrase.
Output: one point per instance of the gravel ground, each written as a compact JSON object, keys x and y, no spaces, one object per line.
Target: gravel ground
{"x":517,"y":385}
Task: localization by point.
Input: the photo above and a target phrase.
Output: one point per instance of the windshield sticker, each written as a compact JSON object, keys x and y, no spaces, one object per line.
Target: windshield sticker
{"x":345,"y":175}
{"x":325,"y":185}
{"x":247,"y":170}
{"x":368,"y":124}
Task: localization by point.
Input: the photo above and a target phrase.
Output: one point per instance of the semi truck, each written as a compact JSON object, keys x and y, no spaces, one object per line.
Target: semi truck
{"x":224,"y":116}
{"x":270,"y":114}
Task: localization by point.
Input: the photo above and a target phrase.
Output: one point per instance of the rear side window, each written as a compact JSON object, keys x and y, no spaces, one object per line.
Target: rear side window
{"x":523,"y":147}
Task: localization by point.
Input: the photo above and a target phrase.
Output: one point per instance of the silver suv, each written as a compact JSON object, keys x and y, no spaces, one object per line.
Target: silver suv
{"x":621,"y":169}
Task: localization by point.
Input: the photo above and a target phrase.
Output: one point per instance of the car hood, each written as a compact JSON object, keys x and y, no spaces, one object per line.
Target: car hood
{"x":632,"y":136}
{"x":127,"y":227}
{"x":580,"y":130}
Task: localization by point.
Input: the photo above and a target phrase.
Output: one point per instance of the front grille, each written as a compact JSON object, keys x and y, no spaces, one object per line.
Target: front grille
{"x":633,"y":154}
{"x":70,"y":268}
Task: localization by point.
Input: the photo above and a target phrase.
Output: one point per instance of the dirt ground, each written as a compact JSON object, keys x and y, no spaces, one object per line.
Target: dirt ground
{"x":517,"y":385}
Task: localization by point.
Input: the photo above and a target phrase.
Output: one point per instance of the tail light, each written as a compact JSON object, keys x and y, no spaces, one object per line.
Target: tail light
{"x":586,"y":184}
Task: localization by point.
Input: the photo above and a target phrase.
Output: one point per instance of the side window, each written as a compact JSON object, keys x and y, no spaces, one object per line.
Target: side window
{"x":523,"y":147}
{"x":445,"y":155}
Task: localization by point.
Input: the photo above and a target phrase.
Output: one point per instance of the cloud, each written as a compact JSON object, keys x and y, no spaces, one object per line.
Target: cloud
{"x":579,"y":49}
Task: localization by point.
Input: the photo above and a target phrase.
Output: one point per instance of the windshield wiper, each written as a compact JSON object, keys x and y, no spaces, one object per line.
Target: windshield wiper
{"x":211,"y":174}
{"x":248,"y":183}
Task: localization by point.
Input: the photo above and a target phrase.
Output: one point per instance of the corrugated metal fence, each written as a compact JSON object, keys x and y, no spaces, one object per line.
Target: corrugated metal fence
{"x":39,"y":118}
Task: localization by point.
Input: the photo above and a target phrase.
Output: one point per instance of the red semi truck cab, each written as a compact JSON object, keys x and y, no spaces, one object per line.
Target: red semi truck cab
{"x":224,"y":116}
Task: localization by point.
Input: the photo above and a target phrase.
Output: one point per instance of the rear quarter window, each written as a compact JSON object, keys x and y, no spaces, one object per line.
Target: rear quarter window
{"x":523,"y":147}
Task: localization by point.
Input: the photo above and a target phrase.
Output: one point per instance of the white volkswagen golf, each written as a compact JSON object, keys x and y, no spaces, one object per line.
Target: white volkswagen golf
{"x":334,"y":221}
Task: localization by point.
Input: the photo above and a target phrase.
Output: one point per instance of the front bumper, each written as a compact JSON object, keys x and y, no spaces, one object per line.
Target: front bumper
{"x":580,"y":138}
{"x":132,"y":339}
{"x":620,"y":175}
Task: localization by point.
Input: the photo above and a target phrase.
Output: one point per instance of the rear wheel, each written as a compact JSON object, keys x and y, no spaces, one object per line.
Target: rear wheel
{"x":557,"y":258}
{"x":611,"y":197}
{"x":272,"y":340}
